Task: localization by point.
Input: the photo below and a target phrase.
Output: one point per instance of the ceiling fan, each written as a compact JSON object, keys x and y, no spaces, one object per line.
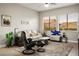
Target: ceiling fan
{"x":48,"y":4}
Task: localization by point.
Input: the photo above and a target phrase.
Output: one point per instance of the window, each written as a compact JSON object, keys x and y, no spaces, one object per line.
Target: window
{"x":50,"y":23}
{"x":53,"y":23}
{"x":72,"y":21}
{"x":62,"y":22}
{"x":68,"y":21}
{"x":46,"y":23}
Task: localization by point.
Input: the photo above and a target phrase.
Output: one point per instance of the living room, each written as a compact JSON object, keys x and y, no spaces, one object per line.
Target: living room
{"x":35,"y":17}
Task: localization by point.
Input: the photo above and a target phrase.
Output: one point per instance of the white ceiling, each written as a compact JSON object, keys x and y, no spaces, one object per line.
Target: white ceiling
{"x":40,"y":6}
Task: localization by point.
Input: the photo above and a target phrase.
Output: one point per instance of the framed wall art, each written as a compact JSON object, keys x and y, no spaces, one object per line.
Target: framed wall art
{"x":5,"y":20}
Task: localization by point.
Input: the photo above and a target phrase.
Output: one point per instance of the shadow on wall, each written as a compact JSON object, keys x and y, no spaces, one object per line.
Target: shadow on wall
{"x":3,"y":41}
{"x":72,"y":35}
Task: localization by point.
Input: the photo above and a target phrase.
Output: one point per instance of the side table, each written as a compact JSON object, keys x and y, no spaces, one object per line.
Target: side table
{"x":45,"y":39}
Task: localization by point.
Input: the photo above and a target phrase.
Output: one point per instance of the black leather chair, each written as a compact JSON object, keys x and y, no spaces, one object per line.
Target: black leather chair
{"x":40,"y":44}
{"x":28,"y":44}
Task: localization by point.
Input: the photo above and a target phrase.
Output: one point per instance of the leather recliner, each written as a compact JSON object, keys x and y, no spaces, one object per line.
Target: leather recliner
{"x":28,"y":44}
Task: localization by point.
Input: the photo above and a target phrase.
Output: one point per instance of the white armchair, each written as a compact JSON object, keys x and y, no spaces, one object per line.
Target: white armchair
{"x":31,"y":34}
{"x":53,"y":37}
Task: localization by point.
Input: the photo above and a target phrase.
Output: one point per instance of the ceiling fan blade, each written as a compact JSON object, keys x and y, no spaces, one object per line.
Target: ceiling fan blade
{"x":53,"y":3}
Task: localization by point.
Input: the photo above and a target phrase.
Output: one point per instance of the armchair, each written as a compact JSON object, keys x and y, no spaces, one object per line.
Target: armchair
{"x":28,"y":44}
{"x":40,"y":44}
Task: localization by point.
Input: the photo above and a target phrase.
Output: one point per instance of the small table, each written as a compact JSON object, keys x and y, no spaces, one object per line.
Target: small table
{"x":45,"y":39}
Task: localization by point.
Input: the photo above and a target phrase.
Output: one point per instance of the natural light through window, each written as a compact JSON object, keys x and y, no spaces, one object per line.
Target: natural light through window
{"x":72,"y":21}
{"x":53,"y":23}
{"x":62,"y":22}
{"x":46,"y":23}
{"x":65,"y":21}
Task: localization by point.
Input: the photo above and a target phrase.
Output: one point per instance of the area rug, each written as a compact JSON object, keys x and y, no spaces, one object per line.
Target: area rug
{"x":52,"y":49}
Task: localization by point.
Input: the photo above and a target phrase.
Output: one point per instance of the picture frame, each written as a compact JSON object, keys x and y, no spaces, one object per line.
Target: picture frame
{"x":5,"y":20}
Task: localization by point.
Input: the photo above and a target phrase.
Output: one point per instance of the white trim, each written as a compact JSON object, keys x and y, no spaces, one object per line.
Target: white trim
{"x":1,"y":46}
{"x":72,"y":41}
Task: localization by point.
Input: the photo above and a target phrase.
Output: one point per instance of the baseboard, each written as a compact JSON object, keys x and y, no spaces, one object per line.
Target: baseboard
{"x":73,"y":41}
{"x":1,"y":46}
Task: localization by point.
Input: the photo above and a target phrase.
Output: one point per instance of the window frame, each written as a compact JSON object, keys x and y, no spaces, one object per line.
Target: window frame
{"x":76,"y":21}
{"x":57,"y":21}
{"x":49,"y":17}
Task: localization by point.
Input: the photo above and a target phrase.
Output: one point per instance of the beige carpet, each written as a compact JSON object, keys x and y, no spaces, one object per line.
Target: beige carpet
{"x":53,"y":49}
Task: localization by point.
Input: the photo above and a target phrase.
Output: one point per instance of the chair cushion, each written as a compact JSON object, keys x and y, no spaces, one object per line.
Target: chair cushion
{"x":55,"y":32}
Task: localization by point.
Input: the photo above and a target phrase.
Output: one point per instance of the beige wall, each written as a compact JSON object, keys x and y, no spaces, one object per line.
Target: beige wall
{"x":17,"y":14}
{"x":60,"y":11}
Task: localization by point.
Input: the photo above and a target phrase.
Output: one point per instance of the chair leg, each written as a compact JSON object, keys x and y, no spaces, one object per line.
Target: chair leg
{"x":28,"y":52}
{"x":40,"y":49}
{"x":60,"y":39}
{"x":66,"y":39}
